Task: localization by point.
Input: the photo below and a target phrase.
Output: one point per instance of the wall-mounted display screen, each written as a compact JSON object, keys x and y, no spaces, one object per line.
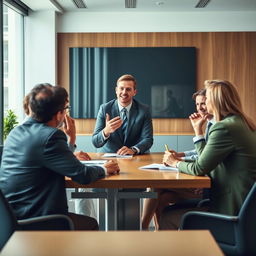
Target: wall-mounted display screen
{"x":166,"y":78}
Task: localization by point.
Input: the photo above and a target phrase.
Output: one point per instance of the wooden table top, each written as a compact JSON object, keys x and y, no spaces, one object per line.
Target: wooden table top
{"x":125,"y":243}
{"x":132,"y":177}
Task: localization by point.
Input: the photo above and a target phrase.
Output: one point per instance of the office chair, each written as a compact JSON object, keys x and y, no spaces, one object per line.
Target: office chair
{"x":234,"y":234}
{"x":9,"y":223}
{"x":1,"y":152}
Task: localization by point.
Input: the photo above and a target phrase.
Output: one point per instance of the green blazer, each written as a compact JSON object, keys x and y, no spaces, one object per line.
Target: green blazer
{"x":229,"y":159}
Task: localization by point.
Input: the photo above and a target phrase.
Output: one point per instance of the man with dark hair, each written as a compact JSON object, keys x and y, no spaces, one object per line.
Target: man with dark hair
{"x":201,"y":92}
{"x":36,"y":159}
{"x":124,"y":125}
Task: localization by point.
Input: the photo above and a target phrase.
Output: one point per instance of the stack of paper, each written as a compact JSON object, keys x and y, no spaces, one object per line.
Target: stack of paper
{"x":160,"y":167}
{"x":94,"y":162}
{"x":116,"y":155}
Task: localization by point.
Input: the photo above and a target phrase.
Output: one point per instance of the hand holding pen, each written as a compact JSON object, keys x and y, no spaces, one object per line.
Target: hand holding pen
{"x":174,"y":153}
{"x":169,"y":158}
{"x":166,"y":147}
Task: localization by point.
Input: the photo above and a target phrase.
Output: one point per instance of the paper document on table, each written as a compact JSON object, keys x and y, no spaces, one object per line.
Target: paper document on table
{"x":116,"y":155}
{"x":94,"y":162}
{"x":160,"y":167}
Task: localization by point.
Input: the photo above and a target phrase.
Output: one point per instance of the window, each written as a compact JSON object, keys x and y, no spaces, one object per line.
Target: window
{"x":5,"y":54}
{"x":5,"y":17}
{"x":13,"y":67}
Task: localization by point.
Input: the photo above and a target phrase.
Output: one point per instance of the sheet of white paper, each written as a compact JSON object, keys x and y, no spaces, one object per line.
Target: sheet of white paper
{"x":94,"y":162}
{"x":116,"y":155}
{"x":160,"y":167}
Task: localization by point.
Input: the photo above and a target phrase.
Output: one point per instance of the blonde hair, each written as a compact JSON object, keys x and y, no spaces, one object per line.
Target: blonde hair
{"x":127,"y":77}
{"x":225,"y":100}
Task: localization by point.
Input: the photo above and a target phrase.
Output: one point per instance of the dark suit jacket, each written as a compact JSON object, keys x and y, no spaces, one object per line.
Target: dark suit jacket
{"x":35,"y":161}
{"x":229,"y":158}
{"x":139,"y":132}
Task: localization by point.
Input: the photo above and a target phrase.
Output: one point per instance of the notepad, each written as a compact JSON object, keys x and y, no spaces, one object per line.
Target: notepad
{"x":116,"y":155}
{"x":94,"y":162}
{"x":160,"y":167}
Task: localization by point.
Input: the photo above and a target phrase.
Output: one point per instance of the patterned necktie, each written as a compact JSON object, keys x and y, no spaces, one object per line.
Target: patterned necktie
{"x":125,"y":121}
{"x":207,"y":130}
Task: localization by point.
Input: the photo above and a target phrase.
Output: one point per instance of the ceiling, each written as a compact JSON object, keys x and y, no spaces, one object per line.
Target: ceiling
{"x":142,"y":5}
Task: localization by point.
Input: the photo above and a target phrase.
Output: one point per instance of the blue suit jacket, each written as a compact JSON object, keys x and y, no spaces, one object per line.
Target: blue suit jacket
{"x":35,"y":161}
{"x":139,"y":131}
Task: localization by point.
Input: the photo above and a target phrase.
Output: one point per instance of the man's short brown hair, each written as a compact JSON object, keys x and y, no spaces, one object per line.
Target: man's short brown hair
{"x":201,"y":92}
{"x":127,"y":77}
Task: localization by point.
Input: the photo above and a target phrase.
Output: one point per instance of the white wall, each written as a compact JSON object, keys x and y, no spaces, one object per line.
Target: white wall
{"x":41,"y":28}
{"x":156,"y":22}
{"x":40,"y":48}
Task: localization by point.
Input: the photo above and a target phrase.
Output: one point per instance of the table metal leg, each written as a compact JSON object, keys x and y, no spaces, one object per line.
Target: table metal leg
{"x":129,"y":221}
{"x":129,"y":208}
{"x":101,"y":213}
{"x":111,"y":213}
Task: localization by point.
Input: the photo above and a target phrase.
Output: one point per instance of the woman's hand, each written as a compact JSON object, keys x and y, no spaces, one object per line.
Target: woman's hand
{"x":177,"y":155}
{"x":169,"y":159}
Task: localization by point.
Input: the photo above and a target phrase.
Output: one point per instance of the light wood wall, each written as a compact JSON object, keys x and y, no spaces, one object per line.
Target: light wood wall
{"x":220,"y":55}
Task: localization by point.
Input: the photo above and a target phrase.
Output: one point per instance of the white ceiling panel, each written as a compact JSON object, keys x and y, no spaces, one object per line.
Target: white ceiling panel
{"x":145,"y":5}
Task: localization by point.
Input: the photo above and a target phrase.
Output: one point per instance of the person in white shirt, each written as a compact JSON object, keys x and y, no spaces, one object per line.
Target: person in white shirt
{"x":200,"y":98}
{"x":153,"y":207}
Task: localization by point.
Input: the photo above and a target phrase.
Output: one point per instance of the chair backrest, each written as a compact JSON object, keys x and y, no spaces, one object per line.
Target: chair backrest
{"x":1,"y":152}
{"x":246,"y":231}
{"x":8,"y":222}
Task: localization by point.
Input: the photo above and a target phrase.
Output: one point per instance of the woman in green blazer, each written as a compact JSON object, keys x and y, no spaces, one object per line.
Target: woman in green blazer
{"x":229,"y":157}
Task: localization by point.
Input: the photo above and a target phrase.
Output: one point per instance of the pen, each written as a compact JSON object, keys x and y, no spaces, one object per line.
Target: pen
{"x":166,"y":147}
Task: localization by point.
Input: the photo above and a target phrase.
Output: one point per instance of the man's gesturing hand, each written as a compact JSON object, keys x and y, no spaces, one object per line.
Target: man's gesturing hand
{"x":112,"y":125}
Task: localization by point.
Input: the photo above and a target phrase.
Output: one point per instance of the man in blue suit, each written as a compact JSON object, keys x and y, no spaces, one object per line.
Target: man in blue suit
{"x":124,"y":125}
{"x":128,"y":133}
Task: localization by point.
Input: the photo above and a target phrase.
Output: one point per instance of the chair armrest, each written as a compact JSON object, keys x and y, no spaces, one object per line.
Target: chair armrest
{"x":204,"y":203}
{"x":221,"y":226}
{"x":47,"y":222}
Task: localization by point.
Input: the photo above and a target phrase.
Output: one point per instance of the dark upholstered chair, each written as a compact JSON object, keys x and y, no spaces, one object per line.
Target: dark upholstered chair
{"x":234,"y":234}
{"x":9,"y":223}
{"x":1,"y":152}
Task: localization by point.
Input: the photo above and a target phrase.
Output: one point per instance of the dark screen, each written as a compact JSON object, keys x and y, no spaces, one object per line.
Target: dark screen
{"x":166,"y":78}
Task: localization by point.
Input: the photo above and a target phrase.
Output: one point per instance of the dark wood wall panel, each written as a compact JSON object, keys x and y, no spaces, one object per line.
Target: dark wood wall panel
{"x":220,"y":55}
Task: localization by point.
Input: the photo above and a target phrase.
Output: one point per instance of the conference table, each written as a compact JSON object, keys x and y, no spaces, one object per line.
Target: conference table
{"x":132,"y":177}
{"x":112,"y":243}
